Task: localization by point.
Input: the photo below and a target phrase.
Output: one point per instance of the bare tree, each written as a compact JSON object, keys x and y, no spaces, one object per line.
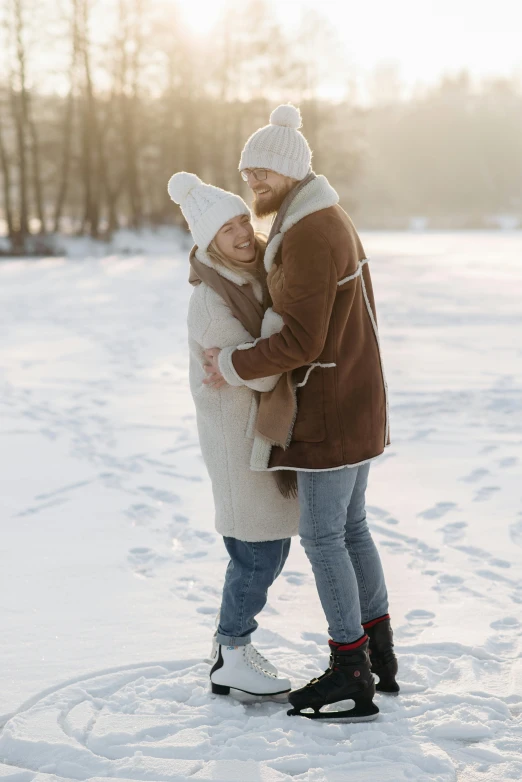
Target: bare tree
{"x":26,"y":125}
{"x":89,"y":128}
{"x":21,"y":225}
{"x":67,"y":128}
{"x":6,"y":180}
{"x":130,"y":27}
{"x":140,"y":98}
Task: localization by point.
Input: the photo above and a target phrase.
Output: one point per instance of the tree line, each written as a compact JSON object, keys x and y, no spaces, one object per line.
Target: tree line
{"x":101,"y":102}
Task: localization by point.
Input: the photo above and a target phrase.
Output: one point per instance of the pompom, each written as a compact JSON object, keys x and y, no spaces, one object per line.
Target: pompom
{"x":181,"y":184}
{"x":287,"y":116}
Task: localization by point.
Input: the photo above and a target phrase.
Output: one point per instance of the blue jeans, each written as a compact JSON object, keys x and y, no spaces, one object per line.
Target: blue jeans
{"x":253,"y":567}
{"x":346,"y":564}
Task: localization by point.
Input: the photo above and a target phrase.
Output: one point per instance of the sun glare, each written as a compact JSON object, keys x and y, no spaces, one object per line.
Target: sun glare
{"x":200,"y":15}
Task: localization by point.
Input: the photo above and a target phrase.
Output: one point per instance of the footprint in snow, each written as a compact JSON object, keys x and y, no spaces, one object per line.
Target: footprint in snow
{"x":448,"y":583}
{"x":206,"y":537}
{"x":212,"y":590}
{"x":480,"y":554}
{"x":420,"y":617}
{"x":509,"y":461}
{"x":438,"y":511}
{"x":485,"y":493}
{"x":49,"y":433}
{"x":172,"y":474}
{"x":293,"y":577}
{"x":160,"y":495}
{"x":515,"y":532}
{"x":191,"y":588}
{"x":506,"y":637}
{"x":193,"y":597}
{"x":207,"y":610}
{"x":381,"y":514}
{"x":417,"y":621}
{"x":142,"y":551}
{"x":319,"y":638}
{"x":475,"y":476}
{"x":399,"y":543}
{"x":423,"y":434}
{"x":33,"y":509}
{"x":140,"y":558}
{"x":490,"y":575}
{"x":141,"y":513}
{"x":110,"y":480}
{"x":393,"y":546}
{"x":508,"y":623}
{"x":192,"y":543}
{"x":516,"y":595}
{"x":453,"y":532}
{"x":144,"y":561}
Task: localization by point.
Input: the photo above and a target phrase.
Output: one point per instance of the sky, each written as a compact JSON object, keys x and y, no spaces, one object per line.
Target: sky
{"x":423,"y":38}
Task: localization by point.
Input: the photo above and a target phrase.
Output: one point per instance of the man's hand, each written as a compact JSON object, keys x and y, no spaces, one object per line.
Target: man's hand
{"x":211,"y":366}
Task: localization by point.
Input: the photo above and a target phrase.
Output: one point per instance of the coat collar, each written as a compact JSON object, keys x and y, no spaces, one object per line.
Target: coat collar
{"x":317,"y":194}
{"x":205,"y":258}
{"x":228,"y":274}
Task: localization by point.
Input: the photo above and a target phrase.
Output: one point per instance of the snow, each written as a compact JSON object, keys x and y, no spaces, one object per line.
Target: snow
{"x":111,"y":569}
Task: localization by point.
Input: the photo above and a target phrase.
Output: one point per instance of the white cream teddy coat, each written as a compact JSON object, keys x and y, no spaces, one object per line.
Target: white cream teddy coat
{"x":248,"y":505}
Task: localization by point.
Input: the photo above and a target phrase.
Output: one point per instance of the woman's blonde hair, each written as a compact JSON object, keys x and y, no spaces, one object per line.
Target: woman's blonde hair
{"x":220,"y":258}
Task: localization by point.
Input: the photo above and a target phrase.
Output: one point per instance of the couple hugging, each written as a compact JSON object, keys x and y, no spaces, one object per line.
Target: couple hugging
{"x":292,"y":407}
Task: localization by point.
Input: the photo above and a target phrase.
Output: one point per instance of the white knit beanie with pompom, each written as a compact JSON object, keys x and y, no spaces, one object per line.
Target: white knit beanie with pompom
{"x":279,"y":146}
{"x":205,"y":208}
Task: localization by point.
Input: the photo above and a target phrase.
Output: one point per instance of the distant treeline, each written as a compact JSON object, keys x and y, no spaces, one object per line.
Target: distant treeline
{"x":131,"y":98}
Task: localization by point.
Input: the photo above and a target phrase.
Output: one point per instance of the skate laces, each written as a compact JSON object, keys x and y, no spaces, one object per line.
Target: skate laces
{"x":247,"y":656}
{"x":258,"y":659}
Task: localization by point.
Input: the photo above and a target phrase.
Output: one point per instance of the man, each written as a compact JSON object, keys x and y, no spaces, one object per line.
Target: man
{"x":320,"y":277}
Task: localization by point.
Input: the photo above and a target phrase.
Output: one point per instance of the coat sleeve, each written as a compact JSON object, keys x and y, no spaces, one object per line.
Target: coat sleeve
{"x":211,"y":324}
{"x":307,"y":303}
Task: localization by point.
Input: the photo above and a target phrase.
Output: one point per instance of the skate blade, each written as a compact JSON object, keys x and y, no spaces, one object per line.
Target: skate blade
{"x":246,"y":697}
{"x":351,"y":715}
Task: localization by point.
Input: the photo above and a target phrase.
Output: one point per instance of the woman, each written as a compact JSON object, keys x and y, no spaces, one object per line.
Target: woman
{"x":227,"y":307}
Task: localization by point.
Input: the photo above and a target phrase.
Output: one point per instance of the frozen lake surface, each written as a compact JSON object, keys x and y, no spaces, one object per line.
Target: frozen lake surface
{"x":111,"y":570}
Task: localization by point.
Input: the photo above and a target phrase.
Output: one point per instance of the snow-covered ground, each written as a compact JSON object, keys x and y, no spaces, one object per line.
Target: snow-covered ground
{"x":110,"y":567}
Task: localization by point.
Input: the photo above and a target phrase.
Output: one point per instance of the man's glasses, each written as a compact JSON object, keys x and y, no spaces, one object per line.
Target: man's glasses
{"x":258,"y":173}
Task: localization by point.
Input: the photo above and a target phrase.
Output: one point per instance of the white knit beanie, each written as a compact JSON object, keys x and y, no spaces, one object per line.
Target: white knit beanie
{"x":279,"y":146}
{"x":205,"y":208}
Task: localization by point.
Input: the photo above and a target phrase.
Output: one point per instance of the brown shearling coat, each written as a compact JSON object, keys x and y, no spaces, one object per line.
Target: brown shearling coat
{"x":342,"y":417}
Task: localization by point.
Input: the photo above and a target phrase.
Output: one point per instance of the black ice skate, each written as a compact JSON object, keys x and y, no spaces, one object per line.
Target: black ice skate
{"x":348,"y":678}
{"x":382,"y":657}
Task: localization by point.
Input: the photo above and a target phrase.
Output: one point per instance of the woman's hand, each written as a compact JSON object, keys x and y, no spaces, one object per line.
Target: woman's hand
{"x":211,"y":366}
{"x":276,"y":283}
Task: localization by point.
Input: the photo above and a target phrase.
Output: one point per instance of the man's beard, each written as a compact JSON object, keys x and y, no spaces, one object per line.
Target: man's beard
{"x":271,"y":202}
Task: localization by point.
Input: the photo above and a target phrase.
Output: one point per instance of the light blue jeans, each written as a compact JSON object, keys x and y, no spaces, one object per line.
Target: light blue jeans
{"x":345,"y":561}
{"x":252,"y":569}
